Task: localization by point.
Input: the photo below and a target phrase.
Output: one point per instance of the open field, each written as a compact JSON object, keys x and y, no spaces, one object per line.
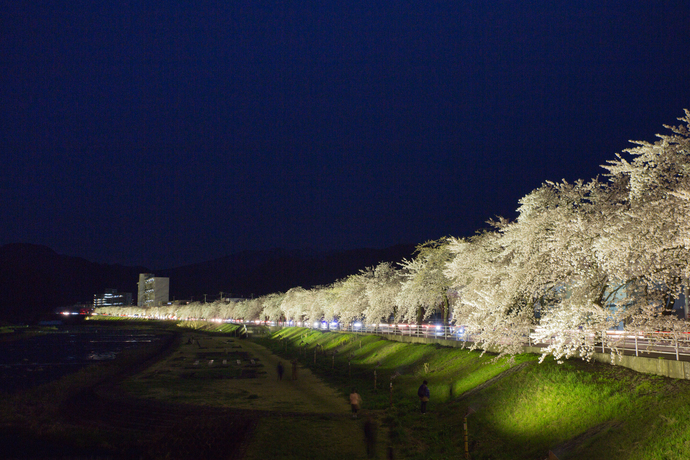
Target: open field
{"x":302,"y":418}
{"x":188,"y":404}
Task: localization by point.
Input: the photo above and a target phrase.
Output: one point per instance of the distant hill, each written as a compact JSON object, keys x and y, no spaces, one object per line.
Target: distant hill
{"x":35,"y":280}
{"x":255,"y":273}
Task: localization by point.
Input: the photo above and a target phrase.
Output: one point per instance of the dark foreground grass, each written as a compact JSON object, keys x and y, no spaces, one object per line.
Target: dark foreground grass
{"x":294,"y":437}
{"x":577,"y":410}
{"x":34,"y":422}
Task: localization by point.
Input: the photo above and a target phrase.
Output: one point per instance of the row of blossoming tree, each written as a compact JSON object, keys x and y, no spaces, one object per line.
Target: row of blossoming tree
{"x":580,"y":258}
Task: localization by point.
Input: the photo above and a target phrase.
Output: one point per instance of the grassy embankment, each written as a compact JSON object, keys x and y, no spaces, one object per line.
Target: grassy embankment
{"x":578,"y":410}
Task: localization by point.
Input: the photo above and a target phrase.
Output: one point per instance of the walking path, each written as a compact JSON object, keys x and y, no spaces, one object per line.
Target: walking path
{"x":198,"y":402}
{"x":300,"y":419}
{"x":305,"y":394}
{"x":187,"y":376}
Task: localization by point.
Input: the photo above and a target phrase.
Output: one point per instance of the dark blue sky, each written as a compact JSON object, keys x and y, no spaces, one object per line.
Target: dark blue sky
{"x":164,"y":133}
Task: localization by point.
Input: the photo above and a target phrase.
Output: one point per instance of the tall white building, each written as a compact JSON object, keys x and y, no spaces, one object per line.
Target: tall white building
{"x":154,"y":291}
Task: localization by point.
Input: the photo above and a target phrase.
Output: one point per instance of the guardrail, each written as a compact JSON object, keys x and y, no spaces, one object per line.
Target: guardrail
{"x":424,"y":330}
{"x":640,"y":343}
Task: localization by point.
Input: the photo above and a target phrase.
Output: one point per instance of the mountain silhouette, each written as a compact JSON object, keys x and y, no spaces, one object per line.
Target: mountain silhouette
{"x":255,"y":273}
{"x":35,"y":280}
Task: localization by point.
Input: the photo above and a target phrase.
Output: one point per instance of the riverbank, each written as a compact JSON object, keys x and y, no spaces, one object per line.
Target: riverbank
{"x":182,"y":402}
{"x":172,"y":403}
{"x":35,"y":356}
{"x":35,"y":422}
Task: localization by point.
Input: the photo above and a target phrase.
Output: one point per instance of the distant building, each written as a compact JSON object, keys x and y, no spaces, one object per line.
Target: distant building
{"x":154,"y":291}
{"x":112,"y":298}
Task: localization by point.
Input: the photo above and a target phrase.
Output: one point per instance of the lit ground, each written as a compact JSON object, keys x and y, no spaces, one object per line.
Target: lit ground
{"x":291,"y":408}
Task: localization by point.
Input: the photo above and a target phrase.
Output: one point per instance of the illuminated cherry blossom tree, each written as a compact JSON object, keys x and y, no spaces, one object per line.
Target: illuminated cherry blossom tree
{"x":315,"y":303}
{"x":580,"y":258}
{"x":425,"y":286}
{"x":292,"y":303}
{"x":349,"y":300}
{"x":271,"y":307}
{"x":383,"y":284}
{"x":651,"y":237}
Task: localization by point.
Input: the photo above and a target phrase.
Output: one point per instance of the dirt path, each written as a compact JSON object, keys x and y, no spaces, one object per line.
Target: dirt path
{"x":300,"y":419}
{"x":215,"y":397}
{"x":306,"y":394}
{"x":225,"y":372}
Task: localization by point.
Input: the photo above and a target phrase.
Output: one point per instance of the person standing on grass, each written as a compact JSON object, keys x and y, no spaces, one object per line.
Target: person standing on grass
{"x":355,"y":402}
{"x":424,"y":395}
{"x":280,"y":370}
{"x":370,"y":436}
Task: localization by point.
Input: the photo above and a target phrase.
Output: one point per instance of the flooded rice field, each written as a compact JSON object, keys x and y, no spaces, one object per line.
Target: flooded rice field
{"x":33,"y":360}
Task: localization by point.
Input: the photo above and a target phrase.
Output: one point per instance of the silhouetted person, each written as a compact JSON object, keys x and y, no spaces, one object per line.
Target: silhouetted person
{"x":280,"y":370}
{"x":424,"y":395}
{"x":355,"y":402}
{"x":370,"y":436}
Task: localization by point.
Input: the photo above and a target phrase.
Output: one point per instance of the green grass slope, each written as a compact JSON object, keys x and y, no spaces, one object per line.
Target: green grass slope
{"x":518,"y":410}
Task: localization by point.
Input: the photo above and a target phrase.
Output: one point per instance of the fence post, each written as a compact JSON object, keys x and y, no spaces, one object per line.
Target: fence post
{"x":636,"y":354}
{"x":603,"y":339}
{"x":467,"y":444}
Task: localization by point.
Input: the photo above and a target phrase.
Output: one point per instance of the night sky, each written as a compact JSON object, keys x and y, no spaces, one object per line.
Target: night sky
{"x":164,"y":133}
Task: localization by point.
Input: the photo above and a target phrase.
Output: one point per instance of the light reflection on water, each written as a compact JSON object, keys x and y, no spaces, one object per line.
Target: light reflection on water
{"x":36,"y":360}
